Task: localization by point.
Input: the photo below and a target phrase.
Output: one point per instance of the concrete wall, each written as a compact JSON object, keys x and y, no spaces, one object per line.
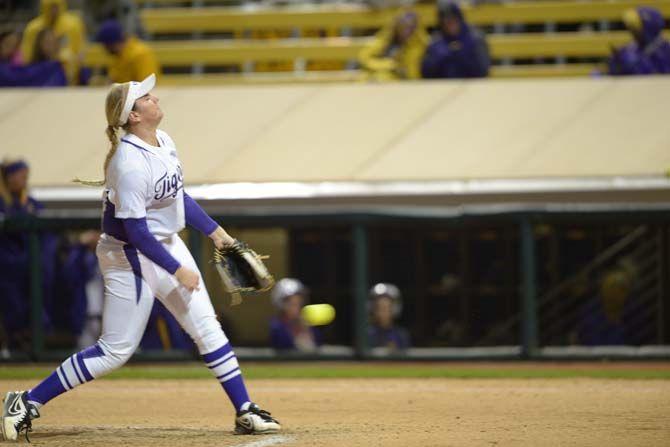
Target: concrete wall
{"x":404,"y":131}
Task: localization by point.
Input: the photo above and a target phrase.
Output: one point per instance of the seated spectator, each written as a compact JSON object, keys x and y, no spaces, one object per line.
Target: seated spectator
{"x":10,"y":44}
{"x":603,"y":320}
{"x":96,"y":12}
{"x":14,"y":198}
{"x":385,"y":307}
{"x":396,"y":50}
{"x":649,"y":53}
{"x":68,"y":30}
{"x":46,"y":69}
{"x":457,"y":49}
{"x":81,"y":291}
{"x":14,"y":260}
{"x":287,"y":330}
{"x":132,"y":59}
{"x":47,"y":49}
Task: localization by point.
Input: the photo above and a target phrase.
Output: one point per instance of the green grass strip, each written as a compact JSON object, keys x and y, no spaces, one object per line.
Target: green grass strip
{"x":371,"y":370}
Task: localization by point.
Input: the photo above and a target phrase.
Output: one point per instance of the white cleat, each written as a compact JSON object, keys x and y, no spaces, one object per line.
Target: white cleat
{"x":255,"y":421}
{"x":17,"y":415}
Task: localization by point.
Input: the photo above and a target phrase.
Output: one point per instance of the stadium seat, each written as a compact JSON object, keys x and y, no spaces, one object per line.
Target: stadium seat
{"x":522,"y":47}
{"x":220,"y":19}
{"x":233,"y":52}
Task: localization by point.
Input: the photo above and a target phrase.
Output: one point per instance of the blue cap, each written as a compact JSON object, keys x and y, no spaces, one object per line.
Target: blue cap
{"x":110,"y":32}
{"x":12,"y":167}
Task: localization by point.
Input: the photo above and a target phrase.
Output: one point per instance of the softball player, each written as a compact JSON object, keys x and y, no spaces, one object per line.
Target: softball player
{"x":141,"y":256}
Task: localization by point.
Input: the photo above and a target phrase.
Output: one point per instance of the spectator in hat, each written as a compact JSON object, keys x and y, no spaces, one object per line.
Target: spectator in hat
{"x":15,"y":202}
{"x":649,"y":53}
{"x":457,"y":50}
{"x":68,"y":30}
{"x":96,"y":12}
{"x":385,"y":307}
{"x":131,"y":58}
{"x":396,"y":50}
{"x":288,"y":331}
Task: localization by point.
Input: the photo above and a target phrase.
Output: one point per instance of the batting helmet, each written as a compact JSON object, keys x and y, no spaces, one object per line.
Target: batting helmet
{"x":389,"y":290}
{"x":287,"y":287}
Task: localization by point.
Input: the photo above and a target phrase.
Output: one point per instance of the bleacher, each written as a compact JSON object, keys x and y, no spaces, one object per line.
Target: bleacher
{"x":216,"y":19}
{"x":526,"y":39}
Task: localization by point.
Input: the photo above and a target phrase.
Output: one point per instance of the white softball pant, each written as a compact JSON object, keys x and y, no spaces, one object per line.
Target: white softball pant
{"x":131,"y":283}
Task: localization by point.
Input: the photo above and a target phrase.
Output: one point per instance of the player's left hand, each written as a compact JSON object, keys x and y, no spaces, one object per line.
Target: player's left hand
{"x":221,"y":238}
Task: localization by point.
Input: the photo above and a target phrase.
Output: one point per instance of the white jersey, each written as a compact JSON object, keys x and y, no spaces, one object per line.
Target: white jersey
{"x":144,"y":181}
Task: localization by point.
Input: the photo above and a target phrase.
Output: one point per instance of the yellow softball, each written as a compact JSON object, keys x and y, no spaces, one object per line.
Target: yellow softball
{"x":318,"y":314}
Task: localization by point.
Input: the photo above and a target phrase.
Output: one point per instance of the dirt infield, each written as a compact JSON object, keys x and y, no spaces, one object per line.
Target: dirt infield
{"x":364,"y":412}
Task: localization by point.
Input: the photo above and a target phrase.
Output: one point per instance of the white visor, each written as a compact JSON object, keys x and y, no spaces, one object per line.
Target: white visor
{"x":135,"y":92}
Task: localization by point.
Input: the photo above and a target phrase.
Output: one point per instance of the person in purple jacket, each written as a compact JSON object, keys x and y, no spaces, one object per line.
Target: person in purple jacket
{"x":44,"y":71}
{"x":385,"y":307}
{"x":14,"y":259}
{"x":457,"y":50}
{"x":649,"y":53}
{"x":79,"y":306}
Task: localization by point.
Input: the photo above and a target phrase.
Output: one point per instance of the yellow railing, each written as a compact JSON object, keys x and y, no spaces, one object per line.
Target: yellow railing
{"x":218,"y":19}
{"x":224,"y":52}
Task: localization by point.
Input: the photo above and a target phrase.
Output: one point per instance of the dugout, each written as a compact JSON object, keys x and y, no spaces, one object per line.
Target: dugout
{"x":520,"y":276}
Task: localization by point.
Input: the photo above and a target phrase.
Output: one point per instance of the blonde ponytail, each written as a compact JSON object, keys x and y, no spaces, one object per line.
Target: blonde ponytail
{"x":113,"y":108}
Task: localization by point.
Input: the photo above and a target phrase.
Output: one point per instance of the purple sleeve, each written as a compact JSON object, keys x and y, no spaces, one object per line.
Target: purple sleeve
{"x":141,"y":238}
{"x":41,"y":74}
{"x":197,"y":217}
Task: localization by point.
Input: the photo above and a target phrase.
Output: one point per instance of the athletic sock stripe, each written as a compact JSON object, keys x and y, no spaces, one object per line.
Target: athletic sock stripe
{"x":217,"y":354}
{"x":227,"y":367}
{"x":70,"y":373}
{"x":75,"y":370}
{"x":230,"y":375}
{"x":62,"y":376}
{"x":84,"y":369}
{"x":60,"y":379}
{"x":223,"y":360}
